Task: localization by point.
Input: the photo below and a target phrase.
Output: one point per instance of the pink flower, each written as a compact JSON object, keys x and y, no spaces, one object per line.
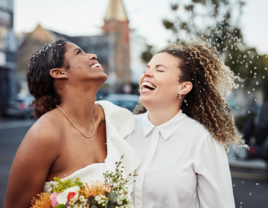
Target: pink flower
{"x":53,"y":199}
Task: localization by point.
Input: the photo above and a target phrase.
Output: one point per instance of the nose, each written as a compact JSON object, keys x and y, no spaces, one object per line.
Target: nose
{"x":148,"y":73}
{"x":92,"y":56}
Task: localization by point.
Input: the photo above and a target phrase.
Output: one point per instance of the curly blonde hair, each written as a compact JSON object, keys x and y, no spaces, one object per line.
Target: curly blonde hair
{"x":212,"y":80}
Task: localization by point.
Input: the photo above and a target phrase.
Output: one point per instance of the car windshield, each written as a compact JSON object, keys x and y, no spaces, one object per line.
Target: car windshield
{"x":128,"y":104}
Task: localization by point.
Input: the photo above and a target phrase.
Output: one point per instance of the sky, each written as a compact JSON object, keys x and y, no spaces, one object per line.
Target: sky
{"x":85,"y":17}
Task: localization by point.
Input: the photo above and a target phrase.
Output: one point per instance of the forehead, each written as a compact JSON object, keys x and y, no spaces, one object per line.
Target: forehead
{"x":165,"y":59}
{"x":70,"y":47}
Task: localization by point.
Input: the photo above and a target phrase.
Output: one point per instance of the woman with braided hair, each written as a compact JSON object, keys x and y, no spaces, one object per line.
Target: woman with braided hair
{"x":74,"y":137}
{"x":183,"y":126}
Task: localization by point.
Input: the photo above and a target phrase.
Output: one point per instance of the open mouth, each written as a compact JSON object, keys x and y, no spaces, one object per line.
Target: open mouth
{"x":94,"y":65}
{"x":147,"y":86}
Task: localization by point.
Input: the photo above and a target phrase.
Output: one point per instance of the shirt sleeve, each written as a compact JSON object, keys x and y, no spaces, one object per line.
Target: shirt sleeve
{"x":214,"y":185}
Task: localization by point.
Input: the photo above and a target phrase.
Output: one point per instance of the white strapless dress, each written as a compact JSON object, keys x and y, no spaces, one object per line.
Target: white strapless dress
{"x":119,"y":124}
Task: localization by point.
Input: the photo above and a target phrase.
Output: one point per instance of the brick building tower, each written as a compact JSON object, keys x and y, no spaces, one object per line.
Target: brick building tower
{"x":116,"y":26}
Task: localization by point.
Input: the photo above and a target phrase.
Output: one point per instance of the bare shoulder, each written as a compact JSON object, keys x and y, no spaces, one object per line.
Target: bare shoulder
{"x":47,"y":129}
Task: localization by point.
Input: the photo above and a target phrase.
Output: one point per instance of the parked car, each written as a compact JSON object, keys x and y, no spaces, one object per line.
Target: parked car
{"x":123,"y":100}
{"x":101,"y":94}
{"x":19,"y":107}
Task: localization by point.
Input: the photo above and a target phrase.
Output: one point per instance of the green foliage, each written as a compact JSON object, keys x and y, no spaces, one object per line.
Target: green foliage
{"x":147,"y":55}
{"x":92,"y":201}
{"x":112,"y":200}
{"x":214,"y":22}
{"x":62,"y":185}
{"x":174,"y":7}
{"x":199,"y":1}
{"x":60,"y":206}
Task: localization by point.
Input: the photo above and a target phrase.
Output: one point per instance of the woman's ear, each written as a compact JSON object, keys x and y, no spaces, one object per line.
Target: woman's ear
{"x":58,"y":73}
{"x":185,"y":88}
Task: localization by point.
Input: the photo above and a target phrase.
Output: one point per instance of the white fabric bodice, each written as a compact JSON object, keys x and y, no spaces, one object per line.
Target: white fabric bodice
{"x":119,"y":124}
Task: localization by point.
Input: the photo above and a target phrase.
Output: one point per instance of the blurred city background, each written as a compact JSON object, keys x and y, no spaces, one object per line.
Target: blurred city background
{"x":125,"y":34}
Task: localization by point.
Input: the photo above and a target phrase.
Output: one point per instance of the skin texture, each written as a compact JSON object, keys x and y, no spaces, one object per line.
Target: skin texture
{"x":53,"y":147}
{"x":163,"y":103}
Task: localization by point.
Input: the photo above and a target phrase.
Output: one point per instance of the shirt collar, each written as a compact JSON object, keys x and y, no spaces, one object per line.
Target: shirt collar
{"x":166,"y":129}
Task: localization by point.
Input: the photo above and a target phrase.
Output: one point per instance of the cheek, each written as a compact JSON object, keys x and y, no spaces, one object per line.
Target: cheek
{"x":168,"y":86}
{"x":140,"y":79}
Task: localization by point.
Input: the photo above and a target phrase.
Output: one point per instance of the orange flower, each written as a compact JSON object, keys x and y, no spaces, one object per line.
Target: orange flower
{"x":95,"y":188}
{"x":42,"y":201}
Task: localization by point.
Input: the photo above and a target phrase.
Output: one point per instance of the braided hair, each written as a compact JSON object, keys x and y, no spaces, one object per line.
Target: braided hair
{"x":201,"y":64}
{"x":40,"y":83}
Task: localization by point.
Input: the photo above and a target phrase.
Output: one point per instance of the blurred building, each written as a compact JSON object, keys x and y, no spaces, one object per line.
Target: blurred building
{"x":116,"y":26}
{"x":112,"y":46}
{"x":8,"y":50}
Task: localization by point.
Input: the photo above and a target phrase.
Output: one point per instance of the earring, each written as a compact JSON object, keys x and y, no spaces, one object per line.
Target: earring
{"x":178,"y":80}
{"x":179,"y":96}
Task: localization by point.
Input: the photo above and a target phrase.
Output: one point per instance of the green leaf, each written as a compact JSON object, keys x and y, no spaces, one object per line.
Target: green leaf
{"x":107,"y":194}
{"x":199,"y":1}
{"x":106,"y":203}
{"x":168,"y":24}
{"x":113,"y":196}
{"x":92,"y":201}
{"x":112,"y":205}
{"x":60,"y":206}
{"x":94,"y":206}
{"x":174,"y":7}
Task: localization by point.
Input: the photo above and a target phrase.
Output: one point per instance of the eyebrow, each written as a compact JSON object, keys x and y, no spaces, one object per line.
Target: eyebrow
{"x":158,"y":65}
{"x":77,"y":49}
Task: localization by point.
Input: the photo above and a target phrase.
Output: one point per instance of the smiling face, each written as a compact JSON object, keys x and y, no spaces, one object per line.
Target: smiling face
{"x":159,"y":84}
{"x":83,"y":67}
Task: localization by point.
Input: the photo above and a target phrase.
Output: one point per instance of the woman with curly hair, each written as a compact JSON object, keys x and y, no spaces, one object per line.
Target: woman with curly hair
{"x":74,"y":137}
{"x":183,"y":126}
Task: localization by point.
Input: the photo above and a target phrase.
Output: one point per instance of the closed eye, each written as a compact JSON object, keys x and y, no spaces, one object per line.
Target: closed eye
{"x":79,"y":51}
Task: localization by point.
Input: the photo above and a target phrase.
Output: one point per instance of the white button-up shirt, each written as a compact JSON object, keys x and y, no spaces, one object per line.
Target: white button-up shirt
{"x":182,"y":166}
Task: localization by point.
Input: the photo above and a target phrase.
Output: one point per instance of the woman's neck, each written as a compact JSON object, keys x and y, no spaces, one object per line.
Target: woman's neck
{"x":78,"y":106}
{"x":161,"y":115}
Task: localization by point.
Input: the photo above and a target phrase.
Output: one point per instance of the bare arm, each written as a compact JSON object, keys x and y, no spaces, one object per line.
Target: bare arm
{"x":34,"y":158}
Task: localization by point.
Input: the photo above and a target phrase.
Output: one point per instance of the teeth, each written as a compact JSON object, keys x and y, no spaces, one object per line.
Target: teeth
{"x":95,"y":65}
{"x":148,"y":84}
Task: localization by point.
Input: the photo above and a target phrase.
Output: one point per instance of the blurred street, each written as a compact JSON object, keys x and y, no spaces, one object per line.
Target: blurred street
{"x":250,"y":178}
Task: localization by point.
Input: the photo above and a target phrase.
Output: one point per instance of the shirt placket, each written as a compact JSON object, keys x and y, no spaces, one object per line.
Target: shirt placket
{"x":142,"y":169}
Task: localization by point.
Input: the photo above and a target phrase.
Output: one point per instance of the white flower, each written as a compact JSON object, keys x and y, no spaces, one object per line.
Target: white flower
{"x":119,"y":202}
{"x":81,"y":198}
{"x":71,"y":201}
{"x":76,"y":197}
{"x":62,"y":197}
{"x":98,"y":198}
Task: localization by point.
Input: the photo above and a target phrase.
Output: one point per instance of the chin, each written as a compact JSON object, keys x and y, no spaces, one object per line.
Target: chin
{"x":103,"y":77}
{"x":146,"y":101}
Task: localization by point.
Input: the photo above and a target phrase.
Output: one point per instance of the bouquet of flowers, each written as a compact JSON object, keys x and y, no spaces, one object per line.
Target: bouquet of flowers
{"x":112,"y":193}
